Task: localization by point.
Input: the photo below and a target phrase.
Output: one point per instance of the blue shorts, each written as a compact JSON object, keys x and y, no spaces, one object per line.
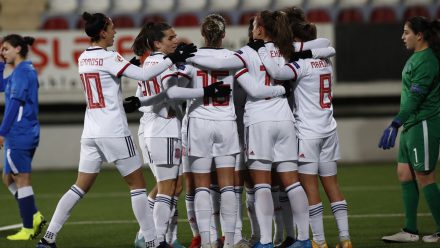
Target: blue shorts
{"x":18,"y":161}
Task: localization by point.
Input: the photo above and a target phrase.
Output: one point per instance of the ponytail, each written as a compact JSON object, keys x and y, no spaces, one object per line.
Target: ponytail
{"x":94,"y":24}
{"x":213,"y":29}
{"x":149,"y":33}
{"x":16,"y":40}
{"x":274,"y":24}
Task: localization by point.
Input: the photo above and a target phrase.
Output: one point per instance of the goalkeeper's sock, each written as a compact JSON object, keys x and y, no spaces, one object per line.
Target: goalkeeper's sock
{"x":432,"y":195}
{"x":410,"y":193}
{"x":340,"y":211}
{"x":62,"y":212}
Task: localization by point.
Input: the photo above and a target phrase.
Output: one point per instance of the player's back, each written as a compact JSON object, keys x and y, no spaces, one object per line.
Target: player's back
{"x":99,"y":70}
{"x":211,"y":108}
{"x":270,"y":109}
{"x":313,"y":98}
{"x":159,"y":120}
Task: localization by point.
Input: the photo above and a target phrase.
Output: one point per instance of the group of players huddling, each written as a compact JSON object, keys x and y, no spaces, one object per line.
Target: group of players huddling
{"x":261,"y":117}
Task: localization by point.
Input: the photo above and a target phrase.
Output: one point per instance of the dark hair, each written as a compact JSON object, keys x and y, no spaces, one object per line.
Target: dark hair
{"x":18,"y":41}
{"x":250,"y":28}
{"x":304,"y":31}
{"x":275,"y":23}
{"x":213,"y":29}
{"x":149,"y":33}
{"x":94,"y":24}
{"x":294,"y":14}
{"x":429,"y":29}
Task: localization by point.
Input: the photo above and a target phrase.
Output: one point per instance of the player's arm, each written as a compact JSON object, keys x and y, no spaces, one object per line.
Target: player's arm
{"x":276,"y":72}
{"x":230,"y":63}
{"x":423,"y":77}
{"x":2,"y":80}
{"x":312,"y":44}
{"x":246,"y":81}
{"x":11,"y":114}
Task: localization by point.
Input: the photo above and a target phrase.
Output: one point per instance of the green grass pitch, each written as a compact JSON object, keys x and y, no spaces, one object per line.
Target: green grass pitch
{"x":104,"y":217}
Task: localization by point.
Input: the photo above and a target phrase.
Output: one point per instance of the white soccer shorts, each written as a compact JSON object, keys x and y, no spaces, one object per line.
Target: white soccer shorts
{"x":120,"y":150}
{"x":209,"y":138}
{"x":271,"y":141}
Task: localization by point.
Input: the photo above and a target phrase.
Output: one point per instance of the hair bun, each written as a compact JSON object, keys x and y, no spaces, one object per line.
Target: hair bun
{"x":29,"y":40}
{"x":87,"y":17}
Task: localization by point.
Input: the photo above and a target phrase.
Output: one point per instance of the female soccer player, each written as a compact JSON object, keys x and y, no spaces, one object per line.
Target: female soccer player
{"x":318,"y":146}
{"x":420,"y":116}
{"x":106,"y":136}
{"x":20,"y":131}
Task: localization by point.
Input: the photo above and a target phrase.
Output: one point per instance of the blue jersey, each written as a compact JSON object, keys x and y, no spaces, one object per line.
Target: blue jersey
{"x":22,"y":85}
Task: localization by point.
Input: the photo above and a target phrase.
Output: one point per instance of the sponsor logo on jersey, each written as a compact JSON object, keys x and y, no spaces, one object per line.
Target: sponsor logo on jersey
{"x":177,"y":153}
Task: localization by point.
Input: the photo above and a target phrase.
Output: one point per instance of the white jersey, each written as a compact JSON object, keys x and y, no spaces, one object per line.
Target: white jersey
{"x":269,"y":109}
{"x":211,"y":108}
{"x":100,"y":70}
{"x":313,"y":98}
{"x":159,"y":120}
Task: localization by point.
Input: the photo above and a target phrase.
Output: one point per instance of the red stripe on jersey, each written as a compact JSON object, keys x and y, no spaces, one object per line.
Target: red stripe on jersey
{"x":184,"y":75}
{"x":122,"y":70}
{"x":241,"y":72}
{"x":294,"y":71}
{"x":242,"y":60}
{"x":169,"y":75}
{"x":301,"y":47}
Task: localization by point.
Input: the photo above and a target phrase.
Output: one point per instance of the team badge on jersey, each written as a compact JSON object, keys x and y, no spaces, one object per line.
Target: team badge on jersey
{"x":239,"y":51}
{"x":119,"y":58}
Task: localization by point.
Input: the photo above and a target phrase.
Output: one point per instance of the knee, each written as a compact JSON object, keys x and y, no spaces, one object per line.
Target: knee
{"x":404,"y":173}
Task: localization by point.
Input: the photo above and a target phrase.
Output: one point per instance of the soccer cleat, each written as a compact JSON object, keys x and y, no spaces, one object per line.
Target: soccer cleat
{"x":253,"y":241}
{"x":302,"y":244}
{"x":401,"y":237}
{"x":260,"y":245}
{"x":23,"y":234}
{"x":195,"y":242}
{"x":216,"y":243}
{"x":344,"y":244}
{"x":164,"y":244}
{"x":139,"y":241}
{"x":322,"y":244}
{"x":242,"y":244}
{"x":38,"y":223}
{"x":44,"y":244}
{"x":287,"y":242}
{"x":433,"y":238}
{"x":177,"y":244}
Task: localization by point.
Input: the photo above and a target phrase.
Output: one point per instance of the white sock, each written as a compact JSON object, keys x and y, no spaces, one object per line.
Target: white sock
{"x":289,"y":227}
{"x":316,"y":223}
{"x":277,"y":216}
{"x":203,"y":213}
{"x":239,"y":219}
{"x":172,"y":223}
{"x":13,"y":189}
{"x":300,"y":209}
{"x":62,"y":212}
{"x":143,"y":215}
{"x":191,"y":214}
{"x":250,"y":207}
{"x":228,"y":214}
{"x":340,"y":211}
{"x":151,"y":203}
{"x":264,"y":211}
{"x":215,"y":217}
{"x":161,"y":215}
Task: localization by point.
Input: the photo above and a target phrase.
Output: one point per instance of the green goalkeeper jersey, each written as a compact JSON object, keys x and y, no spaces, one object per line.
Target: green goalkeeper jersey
{"x":420,"y":98}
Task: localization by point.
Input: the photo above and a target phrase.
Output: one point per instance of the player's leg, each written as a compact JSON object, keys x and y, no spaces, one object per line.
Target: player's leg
{"x":216,"y":221}
{"x":260,"y":172}
{"x":239,"y":241}
{"x":201,"y":168}
{"x":277,"y":216}
{"x":173,"y":222}
{"x":89,"y":166}
{"x":19,"y":164}
{"x":250,"y":208}
{"x":225,"y":177}
{"x":410,"y":195}
{"x":285,"y":158}
{"x":423,"y":160}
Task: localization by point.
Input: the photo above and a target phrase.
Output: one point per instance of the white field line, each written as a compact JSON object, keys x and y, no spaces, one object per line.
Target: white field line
{"x":127,"y":194}
{"x":107,"y":222}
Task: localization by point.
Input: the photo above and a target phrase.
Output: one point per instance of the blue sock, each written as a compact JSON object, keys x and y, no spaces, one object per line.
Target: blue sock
{"x":26,"y":203}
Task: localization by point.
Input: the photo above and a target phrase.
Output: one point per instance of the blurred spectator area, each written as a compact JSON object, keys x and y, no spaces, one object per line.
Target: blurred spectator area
{"x":65,"y":14}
